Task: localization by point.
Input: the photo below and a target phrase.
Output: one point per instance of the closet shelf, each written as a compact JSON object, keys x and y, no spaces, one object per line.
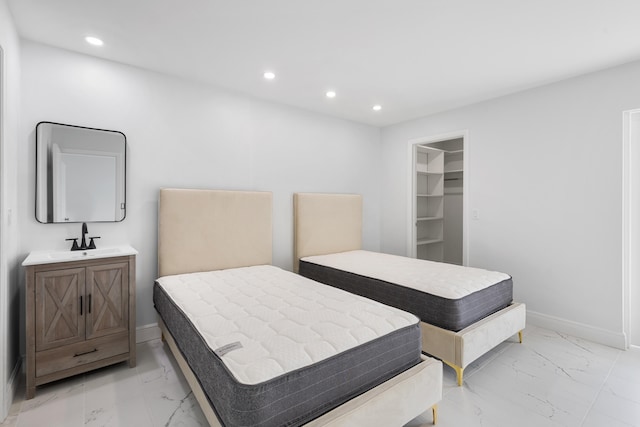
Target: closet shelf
{"x":428,"y":241}
{"x":429,"y":195}
{"x":429,"y":173}
{"x":429,"y":218}
{"x":454,"y":171}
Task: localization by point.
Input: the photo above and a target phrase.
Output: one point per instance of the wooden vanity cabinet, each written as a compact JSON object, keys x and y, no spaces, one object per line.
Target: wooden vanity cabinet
{"x":80,"y":315}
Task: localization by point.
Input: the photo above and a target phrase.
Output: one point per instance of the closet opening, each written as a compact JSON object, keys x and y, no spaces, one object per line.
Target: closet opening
{"x":437,"y":205}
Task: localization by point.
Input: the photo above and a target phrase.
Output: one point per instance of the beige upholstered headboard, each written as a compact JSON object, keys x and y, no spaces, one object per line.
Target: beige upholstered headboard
{"x":326,"y":223}
{"x":202,"y":230}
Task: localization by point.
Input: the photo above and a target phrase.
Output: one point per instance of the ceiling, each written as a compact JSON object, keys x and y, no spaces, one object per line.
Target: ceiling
{"x":412,"y":57}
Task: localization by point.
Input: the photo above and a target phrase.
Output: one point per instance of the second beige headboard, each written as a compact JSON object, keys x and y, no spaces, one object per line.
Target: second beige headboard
{"x":326,"y":223}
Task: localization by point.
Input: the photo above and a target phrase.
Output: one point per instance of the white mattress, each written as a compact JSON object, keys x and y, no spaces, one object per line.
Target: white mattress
{"x":435,"y":278}
{"x":281,"y":321}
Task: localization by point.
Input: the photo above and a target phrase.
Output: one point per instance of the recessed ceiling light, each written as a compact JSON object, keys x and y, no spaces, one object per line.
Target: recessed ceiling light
{"x":94,"y":41}
{"x":331,"y":94}
{"x":377,"y":107}
{"x":269,"y":75}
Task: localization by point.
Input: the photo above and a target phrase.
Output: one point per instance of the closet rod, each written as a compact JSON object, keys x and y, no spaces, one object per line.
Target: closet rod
{"x":453,"y":179}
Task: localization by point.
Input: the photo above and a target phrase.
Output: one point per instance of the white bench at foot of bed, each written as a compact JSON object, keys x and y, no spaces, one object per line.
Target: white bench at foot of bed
{"x":393,"y":403}
{"x":459,"y":349}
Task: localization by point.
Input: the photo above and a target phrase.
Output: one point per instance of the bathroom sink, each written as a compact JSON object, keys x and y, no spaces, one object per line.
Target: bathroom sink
{"x":58,"y":255}
{"x":45,"y":257}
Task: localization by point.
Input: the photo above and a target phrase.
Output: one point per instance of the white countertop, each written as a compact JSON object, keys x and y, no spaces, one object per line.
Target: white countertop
{"x":49,"y":257}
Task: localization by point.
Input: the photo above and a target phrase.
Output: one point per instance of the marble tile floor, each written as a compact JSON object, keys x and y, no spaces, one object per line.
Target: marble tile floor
{"x":550,"y":380}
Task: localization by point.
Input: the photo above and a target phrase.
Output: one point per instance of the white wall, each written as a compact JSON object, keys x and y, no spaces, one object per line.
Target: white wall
{"x":10,"y":307}
{"x":545,"y":175}
{"x":181,"y":134}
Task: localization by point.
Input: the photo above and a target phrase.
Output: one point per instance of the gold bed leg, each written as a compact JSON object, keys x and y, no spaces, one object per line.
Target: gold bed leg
{"x":434,"y":410}
{"x":520,"y":336}
{"x":459,"y":371}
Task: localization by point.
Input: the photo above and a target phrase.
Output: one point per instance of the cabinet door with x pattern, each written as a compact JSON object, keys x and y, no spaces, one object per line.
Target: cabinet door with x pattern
{"x":107,"y":299}
{"x":59,"y":297}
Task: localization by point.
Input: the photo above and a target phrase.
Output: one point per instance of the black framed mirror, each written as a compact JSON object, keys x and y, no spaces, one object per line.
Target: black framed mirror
{"x":80,"y":174}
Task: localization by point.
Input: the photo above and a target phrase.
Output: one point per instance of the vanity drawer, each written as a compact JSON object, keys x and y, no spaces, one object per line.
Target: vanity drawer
{"x":71,"y":356}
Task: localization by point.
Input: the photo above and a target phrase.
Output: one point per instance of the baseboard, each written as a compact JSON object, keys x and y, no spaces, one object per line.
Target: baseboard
{"x":147,"y":333}
{"x":12,"y":386}
{"x":580,"y":330}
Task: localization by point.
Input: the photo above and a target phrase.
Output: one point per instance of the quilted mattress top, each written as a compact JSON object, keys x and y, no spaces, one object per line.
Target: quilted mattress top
{"x":263,"y":321}
{"x":436,"y":278}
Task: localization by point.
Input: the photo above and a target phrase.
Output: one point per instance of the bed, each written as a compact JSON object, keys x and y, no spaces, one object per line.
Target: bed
{"x":465,"y":312}
{"x":263,"y":346}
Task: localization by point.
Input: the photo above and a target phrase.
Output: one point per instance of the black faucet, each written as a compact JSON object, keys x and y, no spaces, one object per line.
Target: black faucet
{"x":83,"y":243}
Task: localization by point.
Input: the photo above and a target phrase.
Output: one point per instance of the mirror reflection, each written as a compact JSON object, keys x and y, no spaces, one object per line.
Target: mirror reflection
{"x":80,"y":174}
